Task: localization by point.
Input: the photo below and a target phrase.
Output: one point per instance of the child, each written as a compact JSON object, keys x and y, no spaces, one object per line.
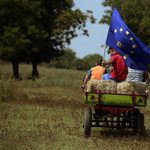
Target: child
{"x":119,"y":68}
{"x":138,"y":76}
{"x":94,"y":73}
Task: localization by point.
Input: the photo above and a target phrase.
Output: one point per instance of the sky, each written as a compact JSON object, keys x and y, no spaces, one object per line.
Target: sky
{"x":84,"y":45}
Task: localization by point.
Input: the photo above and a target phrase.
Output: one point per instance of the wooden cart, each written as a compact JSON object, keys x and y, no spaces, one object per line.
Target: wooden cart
{"x":114,"y":111}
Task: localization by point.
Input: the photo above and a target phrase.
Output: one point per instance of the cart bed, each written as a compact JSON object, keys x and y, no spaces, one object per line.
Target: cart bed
{"x":115,"y":99}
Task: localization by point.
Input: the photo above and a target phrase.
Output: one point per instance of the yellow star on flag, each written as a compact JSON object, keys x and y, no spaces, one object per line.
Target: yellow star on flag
{"x":121,"y":29}
{"x":131,"y":52}
{"x":127,"y":32}
{"x":127,"y":55}
{"x":124,"y":57}
{"x":131,"y":38}
{"x":115,"y":30}
{"x":133,"y":46}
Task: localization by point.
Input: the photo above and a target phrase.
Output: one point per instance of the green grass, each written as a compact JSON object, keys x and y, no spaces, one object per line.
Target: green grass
{"x":47,"y":114}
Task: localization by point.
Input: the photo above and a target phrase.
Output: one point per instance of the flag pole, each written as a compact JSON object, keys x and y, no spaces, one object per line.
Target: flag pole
{"x":103,"y":60}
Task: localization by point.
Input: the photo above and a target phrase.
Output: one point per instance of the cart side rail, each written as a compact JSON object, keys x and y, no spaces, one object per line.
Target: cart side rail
{"x":115,"y":99}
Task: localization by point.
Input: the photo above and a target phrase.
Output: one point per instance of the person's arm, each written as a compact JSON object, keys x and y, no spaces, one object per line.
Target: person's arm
{"x":85,"y":81}
{"x":109,"y":62}
{"x":146,"y":76}
{"x":86,"y":78}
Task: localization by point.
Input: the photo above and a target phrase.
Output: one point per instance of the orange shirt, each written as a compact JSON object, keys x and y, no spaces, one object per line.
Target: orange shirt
{"x":96,"y":72}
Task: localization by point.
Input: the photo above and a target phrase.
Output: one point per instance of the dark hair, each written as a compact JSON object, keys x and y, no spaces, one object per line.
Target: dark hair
{"x":99,"y":62}
{"x":110,"y":48}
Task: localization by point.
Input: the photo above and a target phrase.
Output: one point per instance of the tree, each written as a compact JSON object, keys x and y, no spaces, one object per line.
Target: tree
{"x":69,"y":60}
{"x":37,"y":31}
{"x":92,"y":59}
{"x":20,"y":33}
{"x":81,"y":64}
{"x":66,"y":60}
{"x":135,"y":14}
{"x":60,"y":22}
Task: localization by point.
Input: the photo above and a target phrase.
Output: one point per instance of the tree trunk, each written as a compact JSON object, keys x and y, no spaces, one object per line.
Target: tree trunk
{"x":35,"y":72}
{"x":15,"y":65}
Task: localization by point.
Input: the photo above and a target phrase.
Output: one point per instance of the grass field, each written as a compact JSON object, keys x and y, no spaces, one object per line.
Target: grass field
{"x":47,"y":114}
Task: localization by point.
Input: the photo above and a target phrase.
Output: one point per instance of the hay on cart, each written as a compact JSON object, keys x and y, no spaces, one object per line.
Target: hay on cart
{"x":107,"y":86}
{"x":139,"y":88}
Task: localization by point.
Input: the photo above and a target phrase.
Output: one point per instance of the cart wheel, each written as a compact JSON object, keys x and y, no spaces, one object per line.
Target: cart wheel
{"x":138,"y":111}
{"x":141,"y":124}
{"x":136,"y":114}
{"x":87,"y":121}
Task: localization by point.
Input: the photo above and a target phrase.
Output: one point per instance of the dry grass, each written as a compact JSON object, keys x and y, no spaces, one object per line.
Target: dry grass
{"x":107,"y":86}
{"x":138,"y":88}
{"x":43,"y":116}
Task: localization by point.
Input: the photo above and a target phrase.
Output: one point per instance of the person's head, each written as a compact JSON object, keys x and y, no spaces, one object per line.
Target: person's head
{"x":99,"y":62}
{"x":112,"y":51}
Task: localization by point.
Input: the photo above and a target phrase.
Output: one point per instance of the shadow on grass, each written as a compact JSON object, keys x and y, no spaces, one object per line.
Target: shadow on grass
{"x":50,"y":102}
{"x":116,"y":133}
{"x":123,"y":133}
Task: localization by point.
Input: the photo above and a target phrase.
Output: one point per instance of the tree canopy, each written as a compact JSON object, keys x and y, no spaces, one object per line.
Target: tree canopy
{"x":69,"y":60}
{"x":36,"y":31}
{"x":92,"y":59}
{"x":66,"y":60}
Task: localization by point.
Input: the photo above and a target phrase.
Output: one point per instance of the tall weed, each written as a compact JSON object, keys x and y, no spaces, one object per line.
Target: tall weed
{"x":56,"y":77}
{"x":6,"y":88}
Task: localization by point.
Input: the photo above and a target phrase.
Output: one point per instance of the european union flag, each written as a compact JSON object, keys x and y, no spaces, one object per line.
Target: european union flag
{"x":135,"y":53}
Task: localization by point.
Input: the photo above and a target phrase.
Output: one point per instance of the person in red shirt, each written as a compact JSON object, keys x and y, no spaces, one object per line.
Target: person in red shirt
{"x":120,"y":70}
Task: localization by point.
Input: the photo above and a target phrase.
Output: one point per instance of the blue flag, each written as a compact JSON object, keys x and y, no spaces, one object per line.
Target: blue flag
{"x":135,"y":53}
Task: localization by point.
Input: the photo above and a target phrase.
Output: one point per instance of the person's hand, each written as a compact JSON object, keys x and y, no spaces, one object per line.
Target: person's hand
{"x":82,"y":86}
